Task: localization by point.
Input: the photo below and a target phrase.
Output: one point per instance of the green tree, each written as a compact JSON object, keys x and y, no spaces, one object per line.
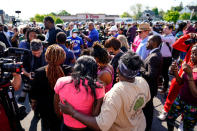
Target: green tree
{"x":137,"y":11}
{"x":53,"y":16}
{"x":125,"y":14}
{"x":53,"y":13}
{"x":39,"y":18}
{"x":32,"y":19}
{"x":185,"y":16}
{"x":177,"y":8}
{"x":59,"y":21}
{"x":171,"y":16}
{"x":194,"y":17}
{"x":155,"y":10}
{"x":63,"y":12}
{"x":161,"y":13}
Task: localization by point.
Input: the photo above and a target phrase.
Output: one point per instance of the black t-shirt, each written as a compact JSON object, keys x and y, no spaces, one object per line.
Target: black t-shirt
{"x":114,"y":63}
{"x":44,"y":94}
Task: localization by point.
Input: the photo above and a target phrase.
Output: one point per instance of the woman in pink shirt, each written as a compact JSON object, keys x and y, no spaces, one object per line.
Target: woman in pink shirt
{"x":82,"y":91}
{"x":136,"y":43}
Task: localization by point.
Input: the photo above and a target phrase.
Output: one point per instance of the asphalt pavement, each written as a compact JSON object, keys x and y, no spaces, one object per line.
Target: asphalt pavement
{"x":157,"y":125}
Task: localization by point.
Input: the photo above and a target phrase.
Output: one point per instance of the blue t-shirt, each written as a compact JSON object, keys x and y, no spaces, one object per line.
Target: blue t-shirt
{"x":77,"y":43}
{"x":69,"y":54}
{"x":94,"y":36}
{"x":24,"y":44}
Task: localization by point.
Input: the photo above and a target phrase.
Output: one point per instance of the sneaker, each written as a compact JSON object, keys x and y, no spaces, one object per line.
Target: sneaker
{"x":180,"y":126}
{"x":163,"y":115}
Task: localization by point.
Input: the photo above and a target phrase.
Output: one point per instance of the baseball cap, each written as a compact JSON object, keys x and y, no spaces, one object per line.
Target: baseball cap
{"x":36,"y":45}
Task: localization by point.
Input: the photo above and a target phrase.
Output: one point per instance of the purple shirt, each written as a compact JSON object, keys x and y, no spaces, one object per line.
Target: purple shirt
{"x":185,"y":92}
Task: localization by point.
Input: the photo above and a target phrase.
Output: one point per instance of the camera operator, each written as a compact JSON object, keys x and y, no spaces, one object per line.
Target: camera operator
{"x":9,"y":120}
{"x":93,"y":35}
{"x":35,"y":60}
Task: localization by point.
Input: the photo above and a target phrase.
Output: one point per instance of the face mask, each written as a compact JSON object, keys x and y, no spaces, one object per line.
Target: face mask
{"x":74,"y":35}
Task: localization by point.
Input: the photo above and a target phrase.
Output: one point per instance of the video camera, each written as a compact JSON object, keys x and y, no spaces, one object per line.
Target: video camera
{"x":11,"y":62}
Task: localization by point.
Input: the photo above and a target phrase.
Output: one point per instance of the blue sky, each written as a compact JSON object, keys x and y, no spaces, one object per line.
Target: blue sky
{"x":30,"y":7}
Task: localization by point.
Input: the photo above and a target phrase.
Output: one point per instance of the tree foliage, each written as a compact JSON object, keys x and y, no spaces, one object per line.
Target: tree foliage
{"x":155,"y":10}
{"x":59,"y":21}
{"x":177,"y":8}
{"x":185,"y":16}
{"x":194,"y":17}
{"x":125,"y":14}
{"x":63,"y":12}
{"x":137,"y":11}
{"x":171,"y":16}
{"x":32,"y":19}
{"x":40,"y":18}
{"x":161,"y":13}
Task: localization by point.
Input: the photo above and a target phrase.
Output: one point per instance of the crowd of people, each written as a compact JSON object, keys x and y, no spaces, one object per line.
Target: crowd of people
{"x":96,"y":76}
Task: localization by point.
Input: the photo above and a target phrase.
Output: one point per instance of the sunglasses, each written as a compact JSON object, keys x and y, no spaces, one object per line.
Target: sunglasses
{"x":141,"y":32}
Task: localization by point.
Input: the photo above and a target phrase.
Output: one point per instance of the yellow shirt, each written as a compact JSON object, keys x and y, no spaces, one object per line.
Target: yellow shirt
{"x":122,"y":107}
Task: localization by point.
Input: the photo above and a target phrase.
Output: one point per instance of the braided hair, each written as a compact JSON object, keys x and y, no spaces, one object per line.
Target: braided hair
{"x":55,"y":56}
